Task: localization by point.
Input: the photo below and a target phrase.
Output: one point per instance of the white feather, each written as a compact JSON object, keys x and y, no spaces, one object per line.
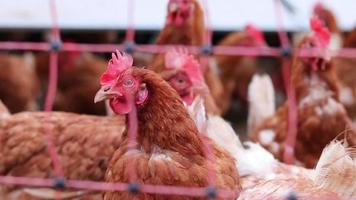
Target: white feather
{"x":346,"y":96}
{"x":214,"y":66}
{"x":109,"y":111}
{"x":261,"y":100}
{"x":198,"y":114}
{"x":30,"y":61}
{"x":336,"y":169}
{"x":48,"y":193}
{"x":336,"y":42}
{"x":254,"y":160}
{"x":4,"y":112}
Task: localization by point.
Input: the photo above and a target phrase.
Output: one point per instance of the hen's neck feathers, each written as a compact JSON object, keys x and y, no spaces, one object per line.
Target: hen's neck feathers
{"x":163,"y":120}
{"x":302,"y":74}
{"x":330,"y":21}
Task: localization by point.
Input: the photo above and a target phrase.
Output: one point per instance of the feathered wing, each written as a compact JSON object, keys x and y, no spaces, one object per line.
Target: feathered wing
{"x":333,"y":178}
{"x":336,"y":169}
{"x":165,"y":167}
{"x":49,"y":193}
{"x":253,"y":160}
{"x":83,"y":152}
{"x":215,"y":127}
{"x":261,"y":100}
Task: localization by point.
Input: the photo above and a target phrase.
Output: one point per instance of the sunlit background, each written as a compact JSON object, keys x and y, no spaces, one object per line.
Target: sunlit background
{"x":226,"y":15}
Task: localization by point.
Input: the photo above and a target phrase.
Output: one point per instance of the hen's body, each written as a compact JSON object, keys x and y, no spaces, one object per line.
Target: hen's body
{"x":321,"y":117}
{"x":282,"y":185}
{"x":77,"y":81}
{"x":263,"y":177}
{"x":235,"y":71}
{"x":346,"y":70}
{"x":169,"y":149}
{"x":84,"y":144}
{"x":329,"y":180}
{"x":19,"y":86}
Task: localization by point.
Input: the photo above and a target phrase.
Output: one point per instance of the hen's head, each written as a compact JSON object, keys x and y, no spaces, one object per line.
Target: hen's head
{"x":319,"y":40}
{"x":119,"y":86}
{"x":68,"y":60}
{"x":256,"y":35}
{"x":183,"y":73}
{"x":326,"y":16}
{"x":179,"y":11}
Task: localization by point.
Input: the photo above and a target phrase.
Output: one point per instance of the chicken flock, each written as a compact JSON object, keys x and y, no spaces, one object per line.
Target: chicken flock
{"x":161,"y":119}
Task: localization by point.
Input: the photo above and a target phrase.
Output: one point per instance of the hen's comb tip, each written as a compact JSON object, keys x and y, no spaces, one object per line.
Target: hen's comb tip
{"x":318,"y":7}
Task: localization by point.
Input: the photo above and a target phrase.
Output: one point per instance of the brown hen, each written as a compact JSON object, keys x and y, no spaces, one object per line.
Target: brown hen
{"x":185,"y":26}
{"x":321,"y":117}
{"x":77,"y":81}
{"x":19,"y":84}
{"x":346,"y":71}
{"x":168,"y":149}
{"x":236,"y":71}
{"x":84,"y":144}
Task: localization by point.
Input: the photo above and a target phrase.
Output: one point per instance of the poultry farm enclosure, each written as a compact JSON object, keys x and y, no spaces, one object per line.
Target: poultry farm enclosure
{"x":55,"y":46}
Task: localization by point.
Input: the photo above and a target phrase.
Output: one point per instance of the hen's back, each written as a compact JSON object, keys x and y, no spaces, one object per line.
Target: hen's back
{"x":84,"y":144}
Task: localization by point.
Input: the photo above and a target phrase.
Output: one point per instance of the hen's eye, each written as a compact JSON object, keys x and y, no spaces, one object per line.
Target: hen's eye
{"x":106,"y":89}
{"x":128,"y":82}
{"x":180,"y":81}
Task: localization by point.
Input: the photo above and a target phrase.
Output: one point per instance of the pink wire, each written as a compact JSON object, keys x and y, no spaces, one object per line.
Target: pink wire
{"x":130,"y":32}
{"x":208,"y":151}
{"x":51,"y":94}
{"x":209,"y":27}
{"x":149,"y":48}
{"x":102,"y":186}
{"x":283,"y":36}
{"x":288,"y":155}
{"x":132,"y":134}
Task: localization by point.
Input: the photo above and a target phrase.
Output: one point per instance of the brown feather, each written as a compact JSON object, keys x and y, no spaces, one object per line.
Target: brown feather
{"x":169,"y":149}
{"x":321,"y":117}
{"x":84,"y":144}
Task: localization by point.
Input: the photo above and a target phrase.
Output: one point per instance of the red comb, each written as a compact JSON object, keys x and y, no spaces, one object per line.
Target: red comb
{"x":320,"y":31}
{"x":118,"y":63}
{"x":180,"y":59}
{"x":256,"y":33}
{"x":68,"y":62}
{"x":318,"y":7}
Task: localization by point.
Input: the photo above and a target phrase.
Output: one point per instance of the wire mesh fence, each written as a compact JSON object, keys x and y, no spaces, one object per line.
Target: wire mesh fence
{"x":54,"y":46}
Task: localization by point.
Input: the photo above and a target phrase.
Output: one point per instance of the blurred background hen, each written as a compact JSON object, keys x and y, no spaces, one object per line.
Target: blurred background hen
{"x":186,"y":95}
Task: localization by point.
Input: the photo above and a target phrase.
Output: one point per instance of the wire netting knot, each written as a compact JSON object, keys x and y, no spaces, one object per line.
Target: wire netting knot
{"x":292,"y":196}
{"x":55,"y":45}
{"x":286,"y":52}
{"x":211,"y":192}
{"x":133,"y":188}
{"x":206,"y":49}
{"x":129,"y":47}
{"x":59,"y":183}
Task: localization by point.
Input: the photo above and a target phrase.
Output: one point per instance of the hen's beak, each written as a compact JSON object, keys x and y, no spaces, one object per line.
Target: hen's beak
{"x":104,"y":93}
